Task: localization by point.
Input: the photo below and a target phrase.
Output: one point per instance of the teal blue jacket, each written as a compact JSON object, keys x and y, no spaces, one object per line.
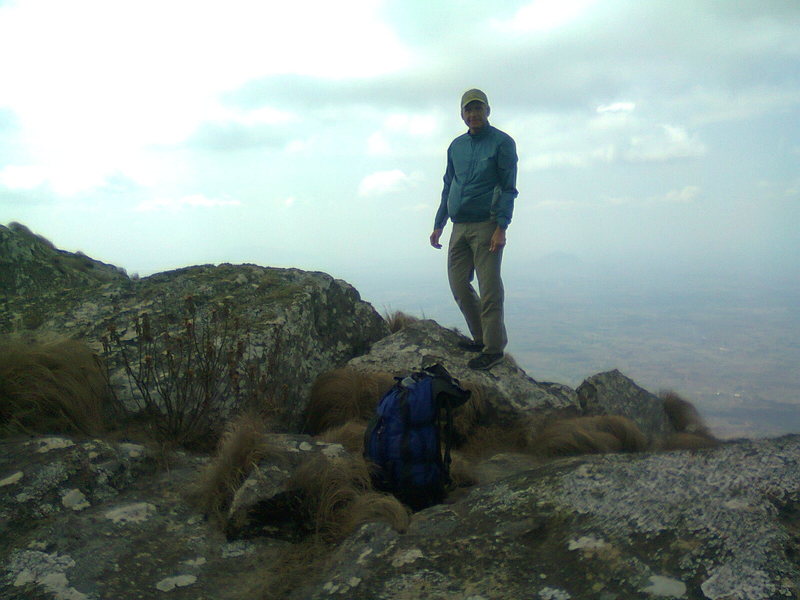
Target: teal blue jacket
{"x":480,"y":180}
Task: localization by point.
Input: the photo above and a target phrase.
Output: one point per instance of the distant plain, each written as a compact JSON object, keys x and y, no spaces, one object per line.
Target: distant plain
{"x":731,"y":345}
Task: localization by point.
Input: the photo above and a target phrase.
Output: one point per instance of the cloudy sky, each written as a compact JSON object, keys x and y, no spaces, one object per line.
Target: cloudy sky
{"x":162,"y":133}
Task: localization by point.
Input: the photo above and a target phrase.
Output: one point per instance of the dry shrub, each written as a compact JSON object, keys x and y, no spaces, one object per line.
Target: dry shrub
{"x":344,"y":395}
{"x":52,"y":387}
{"x":350,"y":435}
{"x":241,"y":447}
{"x":589,"y":435}
{"x":397,"y":320}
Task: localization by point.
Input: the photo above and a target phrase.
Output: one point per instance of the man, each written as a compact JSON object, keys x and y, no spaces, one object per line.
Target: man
{"x":478,"y":196}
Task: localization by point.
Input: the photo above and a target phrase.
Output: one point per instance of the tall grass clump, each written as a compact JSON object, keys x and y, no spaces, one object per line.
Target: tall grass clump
{"x":691,"y":432}
{"x":344,"y":395}
{"x":350,"y":436}
{"x":189,"y":369}
{"x":589,"y":435}
{"x":53,"y":387}
{"x":337,"y":496}
{"x":240,"y":448}
{"x":397,"y":320}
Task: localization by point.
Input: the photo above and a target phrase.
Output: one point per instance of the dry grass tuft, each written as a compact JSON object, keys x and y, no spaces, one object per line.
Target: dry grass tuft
{"x":691,"y":430}
{"x":328,"y":488}
{"x":462,"y":471}
{"x":54,"y":387}
{"x":344,"y":395}
{"x":241,"y":447}
{"x":337,"y":497}
{"x":488,"y":440}
{"x":473,"y":412}
{"x":397,"y":320}
{"x":688,"y":441}
{"x":374,"y":506}
{"x":682,"y":414}
{"x":350,"y":435}
{"x":589,"y":435}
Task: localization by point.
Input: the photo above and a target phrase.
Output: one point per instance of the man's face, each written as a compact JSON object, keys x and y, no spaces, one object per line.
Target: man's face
{"x":475,"y":115}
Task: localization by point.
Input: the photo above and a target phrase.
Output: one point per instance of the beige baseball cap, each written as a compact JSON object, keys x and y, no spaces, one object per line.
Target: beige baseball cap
{"x":473,"y":94}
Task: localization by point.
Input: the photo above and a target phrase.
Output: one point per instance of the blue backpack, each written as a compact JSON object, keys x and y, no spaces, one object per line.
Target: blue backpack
{"x":404,"y":439}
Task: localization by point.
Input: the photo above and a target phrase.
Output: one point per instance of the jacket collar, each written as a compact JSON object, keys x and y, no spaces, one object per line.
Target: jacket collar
{"x":483,"y":132}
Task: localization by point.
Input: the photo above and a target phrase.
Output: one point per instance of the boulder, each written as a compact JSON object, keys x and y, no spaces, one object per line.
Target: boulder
{"x":294,"y":323}
{"x":715,"y":524}
{"x":512,"y":394}
{"x":612,"y":393}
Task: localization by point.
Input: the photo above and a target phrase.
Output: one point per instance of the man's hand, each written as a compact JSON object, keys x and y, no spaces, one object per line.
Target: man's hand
{"x":437,"y":233}
{"x":498,"y":240}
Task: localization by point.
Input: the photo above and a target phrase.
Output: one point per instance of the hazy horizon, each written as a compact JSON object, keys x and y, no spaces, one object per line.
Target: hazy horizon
{"x":726,"y":341}
{"x":658,"y":143}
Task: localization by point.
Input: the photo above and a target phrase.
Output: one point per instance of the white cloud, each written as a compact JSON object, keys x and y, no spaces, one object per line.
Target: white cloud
{"x":413,"y":125}
{"x":576,"y":159}
{"x":685,"y":195}
{"x":666,"y":143}
{"x":682,"y":196}
{"x":66,"y":178}
{"x":585,"y":140}
{"x":190,"y":202}
{"x":378,"y":145}
{"x":543,"y":15}
{"x":94,"y":84}
{"x":711,"y":104}
{"x":552,"y":204}
{"x":383,"y":182}
{"x":298,"y":146}
{"x":23,"y":177}
{"x":616,"y":107}
{"x":403,"y":134}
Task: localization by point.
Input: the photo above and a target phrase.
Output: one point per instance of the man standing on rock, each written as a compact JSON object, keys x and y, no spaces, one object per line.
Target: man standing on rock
{"x":478,"y":196}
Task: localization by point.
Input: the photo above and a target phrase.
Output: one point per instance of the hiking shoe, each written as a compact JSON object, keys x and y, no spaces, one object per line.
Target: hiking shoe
{"x":471,"y":346}
{"x":485,"y":361}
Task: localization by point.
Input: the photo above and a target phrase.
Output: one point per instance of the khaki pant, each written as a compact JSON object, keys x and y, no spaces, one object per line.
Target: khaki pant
{"x":467,"y":255}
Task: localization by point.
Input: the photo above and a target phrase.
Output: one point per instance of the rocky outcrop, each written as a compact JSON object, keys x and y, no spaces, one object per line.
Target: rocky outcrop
{"x":51,"y":475}
{"x":85,"y":520}
{"x":512,"y":394}
{"x":89,"y":520}
{"x":296,"y":323}
{"x":31,"y":265}
{"x":612,"y":393}
{"x":715,"y":524}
